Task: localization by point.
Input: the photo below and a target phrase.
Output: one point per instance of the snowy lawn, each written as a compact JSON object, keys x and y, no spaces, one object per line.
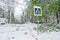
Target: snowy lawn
{"x":25,"y":32}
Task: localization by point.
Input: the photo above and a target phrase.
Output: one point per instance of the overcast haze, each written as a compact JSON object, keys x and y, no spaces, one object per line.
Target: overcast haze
{"x":19,"y":9}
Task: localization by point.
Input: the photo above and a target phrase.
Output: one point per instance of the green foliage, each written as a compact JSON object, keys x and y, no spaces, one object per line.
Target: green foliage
{"x":8,"y":18}
{"x":42,"y":29}
{"x":48,"y":6}
{"x":16,"y":21}
{"x":19,"y":22}
{"x":35,"y":28}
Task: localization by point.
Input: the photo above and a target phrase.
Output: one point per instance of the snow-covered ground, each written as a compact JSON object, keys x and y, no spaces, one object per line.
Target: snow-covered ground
{"x":25,"y":32}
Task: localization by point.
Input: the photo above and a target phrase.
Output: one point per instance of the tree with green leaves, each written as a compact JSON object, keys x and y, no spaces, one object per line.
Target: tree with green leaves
{"x":49,"y":7}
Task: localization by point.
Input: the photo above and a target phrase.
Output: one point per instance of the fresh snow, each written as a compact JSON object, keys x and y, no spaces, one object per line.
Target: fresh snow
{"x":25,"y":32}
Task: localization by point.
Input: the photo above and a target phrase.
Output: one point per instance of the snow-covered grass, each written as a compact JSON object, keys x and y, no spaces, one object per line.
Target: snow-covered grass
{"x":25,"y":32}
{"x":48,"y":27}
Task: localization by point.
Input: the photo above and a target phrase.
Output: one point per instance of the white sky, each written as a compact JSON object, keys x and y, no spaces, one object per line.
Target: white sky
{"x":19,"y":8}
